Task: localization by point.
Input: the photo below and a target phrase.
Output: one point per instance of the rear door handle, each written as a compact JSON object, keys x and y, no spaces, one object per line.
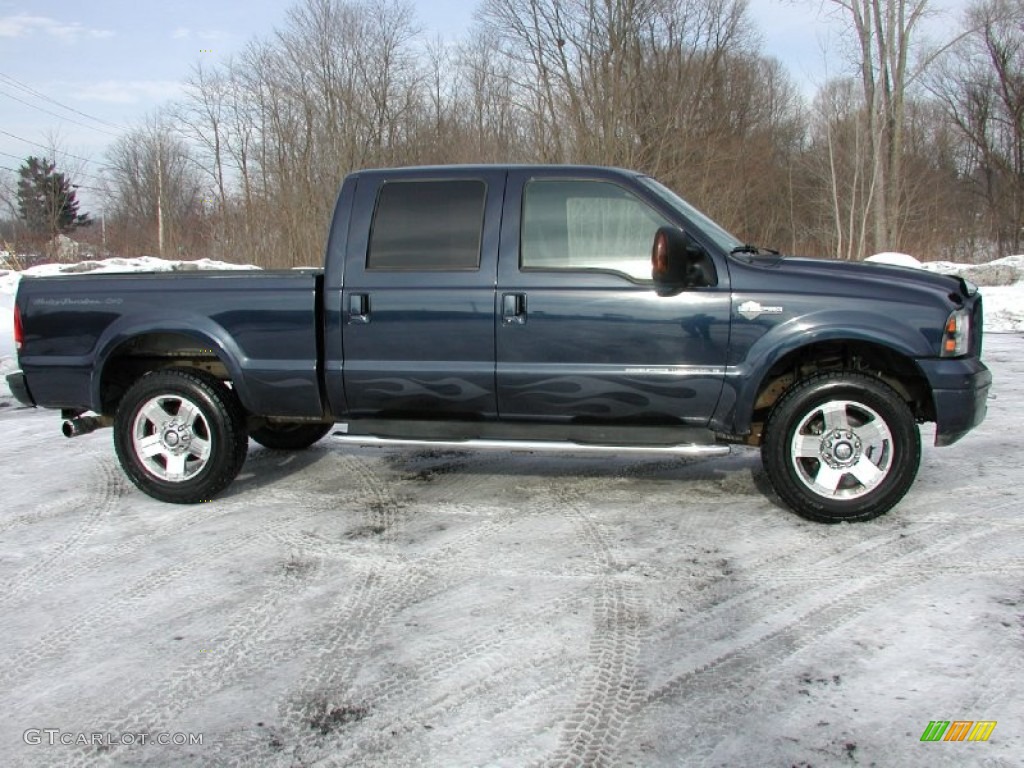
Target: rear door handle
{"x":358,"y":308}
{"x":513,"y":308}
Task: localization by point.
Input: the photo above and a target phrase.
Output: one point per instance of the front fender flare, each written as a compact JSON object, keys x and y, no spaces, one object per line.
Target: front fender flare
{"x":743,"y":381}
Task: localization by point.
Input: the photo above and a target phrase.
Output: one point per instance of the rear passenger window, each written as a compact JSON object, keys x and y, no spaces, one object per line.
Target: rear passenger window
{"x":581,"y":225}
{"x":427,"y":225}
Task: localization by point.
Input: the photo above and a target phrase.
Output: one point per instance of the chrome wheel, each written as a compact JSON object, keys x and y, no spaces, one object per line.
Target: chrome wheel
{"x":842,"y":449}
{"x":171,"y":438}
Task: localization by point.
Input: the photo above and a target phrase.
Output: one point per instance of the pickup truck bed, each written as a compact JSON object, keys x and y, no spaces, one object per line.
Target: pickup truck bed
{"x":258,"y":329}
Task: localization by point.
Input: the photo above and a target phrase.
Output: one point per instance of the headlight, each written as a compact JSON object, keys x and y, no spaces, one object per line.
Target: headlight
{"x":957,"y":335}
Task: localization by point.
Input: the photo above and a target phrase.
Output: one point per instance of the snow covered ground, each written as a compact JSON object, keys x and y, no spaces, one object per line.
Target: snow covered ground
{"x":386,"y":607}
{"x":389,"y":607}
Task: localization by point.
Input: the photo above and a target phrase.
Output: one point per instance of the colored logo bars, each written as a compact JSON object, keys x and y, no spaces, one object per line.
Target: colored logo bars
{"x":958,"y":730}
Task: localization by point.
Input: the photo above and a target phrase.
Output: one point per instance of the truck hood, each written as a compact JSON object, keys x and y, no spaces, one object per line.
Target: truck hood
{"x":846,"y":278}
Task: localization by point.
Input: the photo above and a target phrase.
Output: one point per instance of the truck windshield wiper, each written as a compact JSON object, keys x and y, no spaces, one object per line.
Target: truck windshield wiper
{"x":755,"y":249}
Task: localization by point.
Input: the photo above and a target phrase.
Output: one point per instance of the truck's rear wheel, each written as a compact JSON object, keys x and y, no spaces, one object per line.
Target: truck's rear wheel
{"x":289,"y":437}
{"x":180,"y":435}
{"x":841,"y":447}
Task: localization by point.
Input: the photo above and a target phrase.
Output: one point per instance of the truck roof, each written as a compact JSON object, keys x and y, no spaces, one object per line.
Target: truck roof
{"x":567,"y":169}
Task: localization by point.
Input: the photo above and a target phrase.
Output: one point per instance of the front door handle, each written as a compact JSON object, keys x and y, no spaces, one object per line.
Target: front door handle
{"x":358,"y":308}
{"x":513,"y":308}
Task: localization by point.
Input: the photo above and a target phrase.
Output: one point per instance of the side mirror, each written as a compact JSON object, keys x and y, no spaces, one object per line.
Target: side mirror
{"x":678,"y":263}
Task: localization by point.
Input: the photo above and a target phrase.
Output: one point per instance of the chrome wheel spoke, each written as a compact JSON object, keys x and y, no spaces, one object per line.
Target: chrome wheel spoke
{"x":834,"y":415}
{"x":149,"y":446}
{"x":176,"y":467}
{"x":807,"y":446}
{"x":828,"y":479}
{"x":155,"y":414}
{"x":867,"y":473}
{"x":188,"y":413}
{"x":200,"y":448}
{"x":871,"y":433}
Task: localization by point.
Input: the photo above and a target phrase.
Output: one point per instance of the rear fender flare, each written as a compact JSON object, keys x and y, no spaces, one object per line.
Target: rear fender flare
{"x":208,"y":333}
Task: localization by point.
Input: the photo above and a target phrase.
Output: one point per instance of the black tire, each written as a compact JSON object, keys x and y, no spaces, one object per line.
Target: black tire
{"x":841,"y":447}
{"x":180,"y":415}
{"x":289,"y":437}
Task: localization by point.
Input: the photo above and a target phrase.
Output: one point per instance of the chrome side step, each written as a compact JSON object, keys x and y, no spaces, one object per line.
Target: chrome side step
{"x":683,"y":449}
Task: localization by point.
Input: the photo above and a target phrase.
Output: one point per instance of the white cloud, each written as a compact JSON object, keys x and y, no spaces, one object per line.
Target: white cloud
{"x":186,"y":33}
{"x":128,"y":91}
{"x":26,"y":25}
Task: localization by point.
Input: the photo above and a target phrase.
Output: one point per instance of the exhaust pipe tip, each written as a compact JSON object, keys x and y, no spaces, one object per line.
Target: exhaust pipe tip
{"x":84,"y":425}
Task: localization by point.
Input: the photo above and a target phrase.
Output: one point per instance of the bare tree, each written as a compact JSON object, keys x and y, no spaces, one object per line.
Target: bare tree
{"x":885,"y":32}
{"x":154,"y":190}
{"x":980,"y":83}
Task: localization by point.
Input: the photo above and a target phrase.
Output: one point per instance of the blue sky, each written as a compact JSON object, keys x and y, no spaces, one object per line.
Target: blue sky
{"x":117,"y":60}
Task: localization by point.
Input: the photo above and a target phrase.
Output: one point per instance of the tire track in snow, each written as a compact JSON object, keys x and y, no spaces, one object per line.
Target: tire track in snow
{"x":246,"y":645}
{"x":183,"y":519}
{"x":103,"y":489}
{"x":609,"y":692}
{"x":398,"y":582}
{"x":482,"y":649}
{"x":28,"y":662}
{"x":242,"y":646}
{"x":705,"y":717}
{"x":885,"y":550}
{"x":480,"y":659}
{"x":386,"y":585}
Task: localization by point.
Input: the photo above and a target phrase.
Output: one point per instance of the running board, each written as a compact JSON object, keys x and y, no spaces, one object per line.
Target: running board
{"x":683,"y":449}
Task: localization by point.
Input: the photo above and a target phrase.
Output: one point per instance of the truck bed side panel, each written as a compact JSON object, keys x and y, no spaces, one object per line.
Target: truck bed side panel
{"x":261,"y":325}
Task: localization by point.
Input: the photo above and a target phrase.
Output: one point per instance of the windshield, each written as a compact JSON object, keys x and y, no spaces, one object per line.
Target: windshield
{"x":719,"y":236}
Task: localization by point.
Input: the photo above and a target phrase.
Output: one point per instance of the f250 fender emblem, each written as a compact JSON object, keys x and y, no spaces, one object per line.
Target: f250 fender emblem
{"x":753,"y":309}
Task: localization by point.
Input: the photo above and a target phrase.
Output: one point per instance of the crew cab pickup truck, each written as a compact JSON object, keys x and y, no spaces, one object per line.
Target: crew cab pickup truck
{"x":532,"y":306}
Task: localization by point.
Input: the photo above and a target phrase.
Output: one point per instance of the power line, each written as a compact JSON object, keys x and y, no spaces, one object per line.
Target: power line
{"x":52,"y":149}
{"x":77,"y":173}
{"x":32,"y":91}
{"x":59,"y":117}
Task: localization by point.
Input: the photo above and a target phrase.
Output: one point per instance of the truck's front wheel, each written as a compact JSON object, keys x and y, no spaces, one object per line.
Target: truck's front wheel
{"x":841,"y":447}
{"x":180,"y":435}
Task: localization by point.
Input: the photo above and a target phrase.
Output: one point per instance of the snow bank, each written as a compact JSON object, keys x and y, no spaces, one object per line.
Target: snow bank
{"x":1001,"y":282}
{"x":896,"y":259}
{"x":9,"y":287}
{"x":1002,"y":287}
{"x":8,"y":362}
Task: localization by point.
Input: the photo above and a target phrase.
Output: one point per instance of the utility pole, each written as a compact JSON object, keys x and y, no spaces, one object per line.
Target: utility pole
{"x":160,"y":197}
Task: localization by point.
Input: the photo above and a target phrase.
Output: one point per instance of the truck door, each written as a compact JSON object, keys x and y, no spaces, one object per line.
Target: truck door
{"x":582,"y":336}
{"x":418,"y":298}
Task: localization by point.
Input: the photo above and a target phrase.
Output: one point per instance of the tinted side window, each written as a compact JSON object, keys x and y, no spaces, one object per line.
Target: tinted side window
{"x":578,"y":225}
{"x":427,"y":225}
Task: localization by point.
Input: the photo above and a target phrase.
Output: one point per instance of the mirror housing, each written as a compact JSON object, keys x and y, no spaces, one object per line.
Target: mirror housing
{"x":678,"y":263}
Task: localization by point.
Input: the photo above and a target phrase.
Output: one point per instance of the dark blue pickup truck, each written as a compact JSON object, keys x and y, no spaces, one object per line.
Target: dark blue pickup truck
{"x":533,"y":306}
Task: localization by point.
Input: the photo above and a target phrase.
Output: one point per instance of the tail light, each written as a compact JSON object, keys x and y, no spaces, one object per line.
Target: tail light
{"x":19,"y":334}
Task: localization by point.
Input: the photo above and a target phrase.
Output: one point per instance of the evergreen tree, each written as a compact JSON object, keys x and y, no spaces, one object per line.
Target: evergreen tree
{"x":46,"y":200}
